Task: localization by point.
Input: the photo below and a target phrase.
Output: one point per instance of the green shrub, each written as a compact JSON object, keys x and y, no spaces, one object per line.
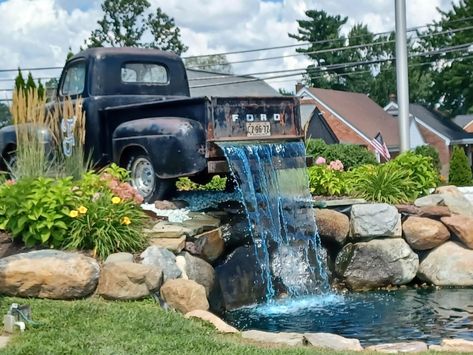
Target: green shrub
{"x":429,"y":151}
{"x":216,"y":184}
{"x":106,"y":224}
{"x":350,"y":155}
{"x":419,"y":170}
{"x":460,"y":171}
{"x":382,"y":183}
{"x":327,"y":182}
{"x":37,"y":210}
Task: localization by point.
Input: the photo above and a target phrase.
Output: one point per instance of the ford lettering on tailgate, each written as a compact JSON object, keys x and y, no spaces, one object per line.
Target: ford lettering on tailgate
{"x":250,"y":118}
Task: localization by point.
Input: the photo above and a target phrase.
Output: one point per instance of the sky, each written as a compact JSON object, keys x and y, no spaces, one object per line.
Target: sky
{"x":38,"y":33}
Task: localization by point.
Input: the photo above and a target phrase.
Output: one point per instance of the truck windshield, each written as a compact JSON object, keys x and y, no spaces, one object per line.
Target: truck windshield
{"x":74,"y":79}
{"x":149,"y":73}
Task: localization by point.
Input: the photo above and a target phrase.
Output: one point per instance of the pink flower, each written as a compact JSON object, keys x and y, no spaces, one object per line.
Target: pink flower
{"x":320,"y":161}
{"x":336,"y":165}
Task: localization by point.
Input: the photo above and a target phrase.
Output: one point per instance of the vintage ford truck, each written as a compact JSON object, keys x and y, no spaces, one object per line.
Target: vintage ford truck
{"x":139,"y":114}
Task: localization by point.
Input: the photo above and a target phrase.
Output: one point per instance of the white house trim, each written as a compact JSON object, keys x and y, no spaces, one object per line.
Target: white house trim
{"x":447,"y":140}
{"x":304,"y":90}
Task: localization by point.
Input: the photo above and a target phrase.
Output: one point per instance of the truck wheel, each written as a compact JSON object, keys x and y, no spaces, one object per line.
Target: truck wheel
{"x":144,"y":179}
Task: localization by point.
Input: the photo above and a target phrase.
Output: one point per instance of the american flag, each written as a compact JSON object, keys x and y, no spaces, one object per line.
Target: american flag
{"x":379,"y":146}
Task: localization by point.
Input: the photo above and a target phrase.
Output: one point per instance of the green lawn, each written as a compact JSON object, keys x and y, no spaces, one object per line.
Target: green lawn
{"x":95,"y":326}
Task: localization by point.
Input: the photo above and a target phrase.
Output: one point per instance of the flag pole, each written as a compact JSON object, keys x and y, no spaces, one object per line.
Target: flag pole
{"x":402,"y":74}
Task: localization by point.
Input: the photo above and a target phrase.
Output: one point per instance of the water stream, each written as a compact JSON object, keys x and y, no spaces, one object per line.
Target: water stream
{"x":273,"y":183}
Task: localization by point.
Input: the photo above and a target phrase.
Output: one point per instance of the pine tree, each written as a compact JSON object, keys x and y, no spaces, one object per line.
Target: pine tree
{"x":20,"y":83}
{"x":460,"y":172}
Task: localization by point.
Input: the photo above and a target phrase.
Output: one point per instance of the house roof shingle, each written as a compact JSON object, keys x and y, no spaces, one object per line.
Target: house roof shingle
{"x":362,"y":112}
{"x":463,"y":120}
{"x":217,"y":84}
{"x":439,"y":123}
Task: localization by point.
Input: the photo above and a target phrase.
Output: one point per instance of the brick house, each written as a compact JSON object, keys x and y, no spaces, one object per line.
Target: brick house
{"x":352,"y":118}
{"x":438,"y":131}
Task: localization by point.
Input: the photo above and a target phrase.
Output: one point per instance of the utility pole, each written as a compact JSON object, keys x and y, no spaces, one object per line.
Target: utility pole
{"x":401,"y":74}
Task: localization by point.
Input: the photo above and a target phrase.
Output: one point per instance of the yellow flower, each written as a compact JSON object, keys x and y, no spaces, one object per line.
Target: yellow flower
{"x":73,"y":213}
{"x":125,"y":220}
{"x":82,"y":210}
{"x":116,"y":199}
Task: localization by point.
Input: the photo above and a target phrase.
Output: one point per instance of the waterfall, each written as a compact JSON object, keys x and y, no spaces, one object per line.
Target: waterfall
{"x":273,"y":183}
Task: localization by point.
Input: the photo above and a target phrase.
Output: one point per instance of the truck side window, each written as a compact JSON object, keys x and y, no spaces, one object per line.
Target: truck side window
{"x":74,"y":80}
{"x":149,"y":73}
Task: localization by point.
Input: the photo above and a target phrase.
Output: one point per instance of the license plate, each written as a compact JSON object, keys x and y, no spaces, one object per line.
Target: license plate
{"x":258,"y":129}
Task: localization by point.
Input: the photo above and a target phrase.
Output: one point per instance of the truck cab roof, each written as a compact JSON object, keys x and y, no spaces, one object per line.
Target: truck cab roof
{"x":129,"y":71}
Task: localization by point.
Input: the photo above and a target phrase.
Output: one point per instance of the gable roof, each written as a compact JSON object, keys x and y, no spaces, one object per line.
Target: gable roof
{"x":441,"y":124}
{"x":463,"y":120}
{"x":207,"y":83}
{"x":360,"y":111}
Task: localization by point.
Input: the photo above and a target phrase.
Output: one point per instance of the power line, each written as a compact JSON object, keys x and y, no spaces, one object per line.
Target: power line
{"x":330,"y":50}
{"x":411,"y":29}
{"x":339,"y":66}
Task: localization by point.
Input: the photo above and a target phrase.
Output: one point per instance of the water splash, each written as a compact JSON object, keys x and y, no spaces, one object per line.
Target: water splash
{"x":273,"y":183}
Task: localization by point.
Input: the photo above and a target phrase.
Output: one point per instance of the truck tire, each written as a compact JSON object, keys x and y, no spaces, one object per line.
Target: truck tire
{"x":144,"y":179}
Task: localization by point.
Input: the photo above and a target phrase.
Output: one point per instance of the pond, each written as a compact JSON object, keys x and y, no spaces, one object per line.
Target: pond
{"x":372,"y":317}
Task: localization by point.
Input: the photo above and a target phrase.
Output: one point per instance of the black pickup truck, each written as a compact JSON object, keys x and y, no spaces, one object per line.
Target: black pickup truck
{"x":139,"y":114}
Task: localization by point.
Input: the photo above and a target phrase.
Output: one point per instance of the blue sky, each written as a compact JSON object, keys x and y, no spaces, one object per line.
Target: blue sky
{"x":37,"y":33}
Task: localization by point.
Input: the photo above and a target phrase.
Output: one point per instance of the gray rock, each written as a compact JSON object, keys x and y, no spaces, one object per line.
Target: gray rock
{"x":200,"y":271}
{"x":239,"y":278}
{"x":455,"y":203}
{"x":163,"y":259}
{"x":119,"y":258}
{"x":48,"y":274}
{"x":429,"y":200}
{"x":394,"y":348}
{"x":375,"y":220}
{"x":332,"y":341}
{"x":332,"y":225}
{"x":184,"y":295}
{"x":424,"y":233}
{"x":377,"y":263}
{"x":291,"y":339}
{"x":128,"y":281}
{"x":450,"y":264}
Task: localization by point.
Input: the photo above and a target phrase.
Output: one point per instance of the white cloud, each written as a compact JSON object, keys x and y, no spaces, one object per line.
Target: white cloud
{"x":39,"y":32}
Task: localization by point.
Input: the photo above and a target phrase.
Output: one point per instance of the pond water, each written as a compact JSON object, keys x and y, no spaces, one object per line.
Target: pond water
{"x":372,"y":317}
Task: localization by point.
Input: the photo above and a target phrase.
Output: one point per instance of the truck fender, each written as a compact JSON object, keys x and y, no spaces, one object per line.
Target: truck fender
{"x":175,"y":145}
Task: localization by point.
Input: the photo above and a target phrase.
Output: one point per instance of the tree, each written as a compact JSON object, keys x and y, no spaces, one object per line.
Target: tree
{"x":128,"y":23}
{"x":460,"y":171}
{"x":452,"y":72}
{"x":217,"y":63}
{"x":5,"y":115}
{"x":20,"y":83}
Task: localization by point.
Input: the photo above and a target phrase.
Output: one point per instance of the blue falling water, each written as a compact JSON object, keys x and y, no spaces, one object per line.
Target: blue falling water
{"x":273,"y":183}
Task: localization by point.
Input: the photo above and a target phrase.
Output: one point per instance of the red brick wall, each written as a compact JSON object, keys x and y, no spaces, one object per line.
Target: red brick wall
{"x":444,"y":152}
{"x":344,"y":133}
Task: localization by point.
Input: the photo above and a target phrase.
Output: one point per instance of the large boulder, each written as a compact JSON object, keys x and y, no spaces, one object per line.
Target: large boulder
{"x":450,"y":264}
{"x":240,"y":279}
{"x":184,"y":295}
{"x":333,"y":226}
{"x":424,"y":233}
{"x":48,"y":274}
{"x":454,"y":345}
{"x":163,"y":259}
{"x":377,"y":263}
{"x":462,"y":226}
{"x":174,"y":245}
{"x":456,"y":203}
{"x":374,"y":220}
{"x":121,"y":257}
{"x":128,"y":281}
{"x":200,"y":271}
{"x":208,"y":245}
